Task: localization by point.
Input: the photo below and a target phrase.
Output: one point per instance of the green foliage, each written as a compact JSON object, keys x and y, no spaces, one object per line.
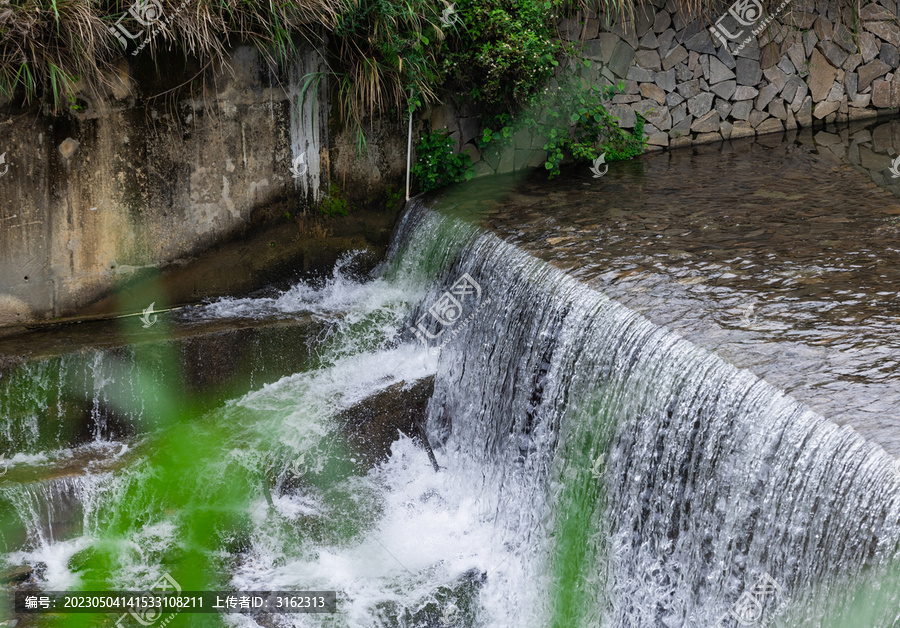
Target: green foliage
{"x":505,"y":53}
{"x":575,"y":122}
{"x":386,"y":52}
{"x":437,"y":165}
{"x":334,"y":204}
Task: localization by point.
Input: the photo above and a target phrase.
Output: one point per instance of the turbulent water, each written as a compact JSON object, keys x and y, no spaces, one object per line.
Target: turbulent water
{"x":596,"y":469}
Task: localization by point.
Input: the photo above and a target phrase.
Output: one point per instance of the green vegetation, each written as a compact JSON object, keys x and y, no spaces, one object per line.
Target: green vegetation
{"x":334,"y":204}
{"x":437,"y":164}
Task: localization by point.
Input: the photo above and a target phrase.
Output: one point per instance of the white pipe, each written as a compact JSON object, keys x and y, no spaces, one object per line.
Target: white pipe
{"x":408,"y":151}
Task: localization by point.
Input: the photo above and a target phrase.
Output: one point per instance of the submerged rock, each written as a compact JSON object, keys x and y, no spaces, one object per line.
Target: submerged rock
{"x":372,"y":425}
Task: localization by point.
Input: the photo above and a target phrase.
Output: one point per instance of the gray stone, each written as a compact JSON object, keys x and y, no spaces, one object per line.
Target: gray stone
{"x":624,"y":28}
{"x":643,"y":20}
{"x":799,"y":97}
{"x":748,"y":71}
{"x":679,"y":113}
{"x":871,"y":71}
{"x":624,"y":99}
{"x":682,"y":73}
{"x":662,"y":22}
{"x":741,"y":129}
{"x":836,"y":93}
{"x":770,"y":55}
{"x":725,"y":129}
{"x":889,"y":55}
{"x":766,"y":94}
{"x":676,"y":56}
{"x":574,"y":30}
{"x":683,"y":127}
{"x":647,"y":59}
{"x":835,"y":55}
{"x":800,"y":19}
{"x":745,"y":92}
{"x":660,"y":118}
{"x":674,"y":99}
{"x":625,"y":115}
{"x":853,"y":61}
{"x":850,"y":83}
{"x":777,"y":109}
{"x":771,"y":125}
{"x":797,"y":54}
{"x":791,"y":86}
{"x":709,"y":123}
{"x":693,"y":61}
{"x":658,"y":139}
{"x":649,"y":41}
{"x":601,"y":49}
{"x":823,"y":27}
{"x":706,"y":138}
{"x":861,"y":101}
{"x":666,"y":79}
{"x":723,"y":107}
{"x":873,"y":12}
{"x":653,"y":92}
{"x":750,"y":51}
{"x":631,"y":87}
{"x":776,"y":77}
{"x":822,"y":109}
{"x":725,"y":57}
{"x":639,"y":74}
{"x":821,"y":76}
{"x":804,"y":113}
{"x":724,"y":89}
{"x":843,"y":38}
{"x":868,"y":46}
{"x":895,"y":92}
{"x":468,"y":128}
{"x":704,"y":66}
{"x":621,"y":59}
{"x":666,"y":39}
{"x":680,"y":142}
{"x":791,"y":123}
{"x":689,"y":89}
{"x":742,"y":109}
{"x":718,"y":71}
{"x":756,"y":117}
{"x":827,"y":139}
{"x":881,"y":94}
{"x":887,"y":31}
{"x":787,"y":66}
{"x":700,"y":104}
{"x":809,"y":42}
{"x":701,"y":42}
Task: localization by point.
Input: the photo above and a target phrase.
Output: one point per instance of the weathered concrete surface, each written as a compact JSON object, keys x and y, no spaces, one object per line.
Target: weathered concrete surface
{"x":92,"y":200}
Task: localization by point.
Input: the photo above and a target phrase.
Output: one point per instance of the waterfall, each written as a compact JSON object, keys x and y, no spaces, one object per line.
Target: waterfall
{"x":595,"y":469}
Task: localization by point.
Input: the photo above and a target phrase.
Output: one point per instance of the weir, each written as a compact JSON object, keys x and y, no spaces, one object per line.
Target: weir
{"x":595,"y":469}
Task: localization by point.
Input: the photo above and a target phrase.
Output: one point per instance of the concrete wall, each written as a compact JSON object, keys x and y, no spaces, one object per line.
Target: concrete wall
{"x":90,"y":199}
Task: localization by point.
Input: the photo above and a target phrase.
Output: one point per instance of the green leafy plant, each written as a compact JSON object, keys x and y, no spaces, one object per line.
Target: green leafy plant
{"x":334,"y":204}
{"x":507,"y":52}
{"x":437,"y":165}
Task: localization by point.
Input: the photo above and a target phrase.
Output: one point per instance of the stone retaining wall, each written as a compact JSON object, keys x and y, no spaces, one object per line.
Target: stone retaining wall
{"x":814,"y":62}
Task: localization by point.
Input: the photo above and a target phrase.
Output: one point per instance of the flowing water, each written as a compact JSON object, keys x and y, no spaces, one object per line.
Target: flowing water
{"x":596,"y":469}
